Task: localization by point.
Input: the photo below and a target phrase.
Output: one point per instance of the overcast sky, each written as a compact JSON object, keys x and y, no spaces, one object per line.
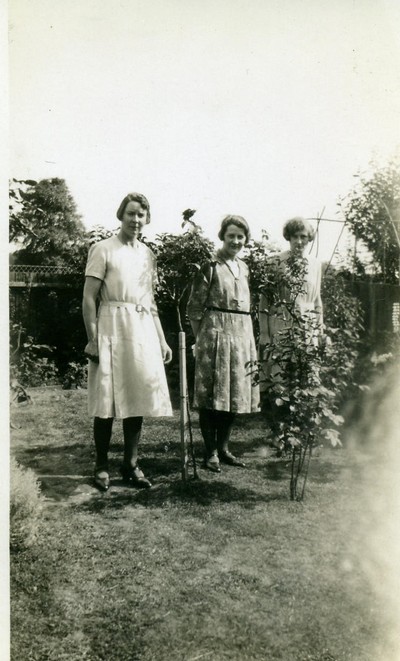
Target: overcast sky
{"x":264,"y":108}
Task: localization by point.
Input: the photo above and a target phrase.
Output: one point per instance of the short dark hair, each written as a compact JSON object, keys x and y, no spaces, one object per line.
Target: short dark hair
{"x":239,"y":221}
{"x":297,"y":224}
{"x":134,"y":197}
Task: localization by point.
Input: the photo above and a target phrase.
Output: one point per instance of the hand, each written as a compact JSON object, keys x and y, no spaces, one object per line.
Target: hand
{"x":91,"y":350}
{"x":194,"y":350}
{"x":166,"y":353}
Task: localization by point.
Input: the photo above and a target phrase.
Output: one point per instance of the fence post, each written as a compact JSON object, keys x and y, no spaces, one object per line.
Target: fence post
{"x":183,"y":406}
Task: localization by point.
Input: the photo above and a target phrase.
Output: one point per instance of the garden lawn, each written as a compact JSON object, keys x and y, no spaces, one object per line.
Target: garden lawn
{"x":225,"y":567}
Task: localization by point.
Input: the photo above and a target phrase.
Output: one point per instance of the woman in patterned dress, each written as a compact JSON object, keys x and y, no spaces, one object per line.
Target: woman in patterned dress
{"x":126,"y":344}
{"x":219,"y":312}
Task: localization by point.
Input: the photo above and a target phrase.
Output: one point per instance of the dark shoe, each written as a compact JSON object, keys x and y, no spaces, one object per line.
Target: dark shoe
{"x":212,"y":463}
{"x":101,"y":479}
{"x":280,"y":448}
{"x":227,"y":457}
{"x":134,"y":476}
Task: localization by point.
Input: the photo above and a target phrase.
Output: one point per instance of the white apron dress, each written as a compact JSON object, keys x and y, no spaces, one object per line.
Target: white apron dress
{"x":275,"y":320}
{"x":130,"y":378}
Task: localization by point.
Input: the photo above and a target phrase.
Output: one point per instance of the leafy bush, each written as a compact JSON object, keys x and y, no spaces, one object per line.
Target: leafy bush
{"x":371,"y":210}
{"x":255,"y":255}
{"x":372,"y":367}
{"x":179,"y":256}
{"x":26,"y":505}
{"x":98,"y":233}
{"x":343,"y":318}
{"x":306,"y":376}
{"x":75,"y":376}
{"x":28,"y":364}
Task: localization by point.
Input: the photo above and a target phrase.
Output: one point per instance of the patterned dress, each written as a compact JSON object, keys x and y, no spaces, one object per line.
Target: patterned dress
{"x":225,"y":340}
{"x":130,"y":377}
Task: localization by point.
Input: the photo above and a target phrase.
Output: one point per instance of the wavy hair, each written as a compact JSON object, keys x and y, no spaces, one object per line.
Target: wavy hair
{"x":298,"y":224}
{"x":134,"y":197}
{"x":239,"y":221}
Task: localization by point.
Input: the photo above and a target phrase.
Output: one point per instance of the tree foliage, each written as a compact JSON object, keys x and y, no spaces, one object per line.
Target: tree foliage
{"x":306,"y":380}
{"x":255,"y":255}
{"x":372,"y":211}
{"x":45,"y":224}
{"x":179,"y":257}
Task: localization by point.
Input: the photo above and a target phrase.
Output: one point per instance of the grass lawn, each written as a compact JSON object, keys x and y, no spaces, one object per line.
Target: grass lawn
{"x":223,"y":568}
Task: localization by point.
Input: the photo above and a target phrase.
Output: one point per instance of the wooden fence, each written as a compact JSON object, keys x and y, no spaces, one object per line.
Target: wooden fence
{"x":381,"y":304}
{"x":21,"y":275}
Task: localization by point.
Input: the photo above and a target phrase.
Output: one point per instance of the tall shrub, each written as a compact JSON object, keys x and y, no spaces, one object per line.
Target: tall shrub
{"x":179,"y":256}
{"x":306,"y":377}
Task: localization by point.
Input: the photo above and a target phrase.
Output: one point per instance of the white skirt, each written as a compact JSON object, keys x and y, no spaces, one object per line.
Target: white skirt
{"x":129,"y":379}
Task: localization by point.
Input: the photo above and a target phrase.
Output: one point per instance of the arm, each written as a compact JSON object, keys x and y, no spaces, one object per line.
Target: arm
{"x":198,"y":297}
{"x":318,"y":303}
{"x":90,"y":293}
{"x":263,"y":316}
{"x":165,"y":349}
{"x":195,"y":324}
{"x":319,"y":310}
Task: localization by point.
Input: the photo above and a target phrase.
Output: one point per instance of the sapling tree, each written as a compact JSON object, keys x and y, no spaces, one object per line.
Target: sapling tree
{"x":179,"y":257}
{"x":300,"y":409}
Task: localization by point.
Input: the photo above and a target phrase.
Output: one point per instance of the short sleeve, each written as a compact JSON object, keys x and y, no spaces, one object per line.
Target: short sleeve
{"x":154,"y":272}
{"x":154,"y":282}
{"x":96,"y":266}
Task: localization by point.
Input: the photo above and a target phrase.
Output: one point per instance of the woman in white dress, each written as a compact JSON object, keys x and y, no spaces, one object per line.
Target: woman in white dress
{"x":306,"y":299}
{"x":126,"y":344}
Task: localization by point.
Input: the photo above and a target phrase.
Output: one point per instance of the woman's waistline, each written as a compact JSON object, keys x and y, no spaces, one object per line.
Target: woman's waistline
{"x":137,"y":307}
{"x":213,"y":308}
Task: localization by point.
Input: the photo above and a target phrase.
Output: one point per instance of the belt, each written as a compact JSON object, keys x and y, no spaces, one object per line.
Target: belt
{"x":138,"y":307}
{"x":213,"y":307}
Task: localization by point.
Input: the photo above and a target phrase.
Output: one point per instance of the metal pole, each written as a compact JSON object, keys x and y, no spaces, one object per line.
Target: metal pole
{"x":183,"y":406}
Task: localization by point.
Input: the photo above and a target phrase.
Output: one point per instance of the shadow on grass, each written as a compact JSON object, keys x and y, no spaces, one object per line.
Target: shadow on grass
{"x":62,"y":470}
{"x":324,"y":471}
{"x":196,"y":492}
{"x":65,"y":472}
